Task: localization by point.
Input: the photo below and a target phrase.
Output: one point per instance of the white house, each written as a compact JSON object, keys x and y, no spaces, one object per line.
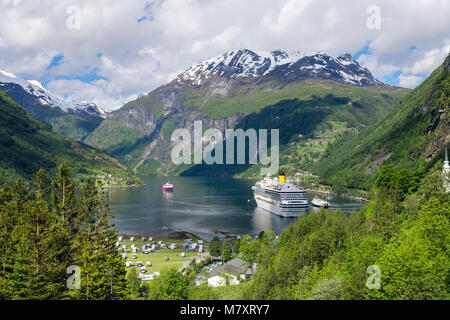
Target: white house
{"x":219,"y":281}
{"x":216,"y":281}
{"x":446,"y":172}
{"x":231,"y":270}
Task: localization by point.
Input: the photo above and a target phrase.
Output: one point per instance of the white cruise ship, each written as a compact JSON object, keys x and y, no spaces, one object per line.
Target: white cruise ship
{"x":280,"y":197}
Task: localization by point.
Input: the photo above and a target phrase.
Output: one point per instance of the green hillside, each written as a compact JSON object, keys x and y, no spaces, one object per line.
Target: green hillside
{"x":313,"y":108}
{"x":253,"y":99}
{"x":310,"y":115}
{"x":27,"y":144}
{"x":412,"y":135}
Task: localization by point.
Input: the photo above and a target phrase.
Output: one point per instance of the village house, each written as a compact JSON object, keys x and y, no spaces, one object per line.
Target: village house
{"x":234,"y":271}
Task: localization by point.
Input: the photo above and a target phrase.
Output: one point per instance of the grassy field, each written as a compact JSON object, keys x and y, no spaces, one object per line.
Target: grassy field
{"x":157,"y":258}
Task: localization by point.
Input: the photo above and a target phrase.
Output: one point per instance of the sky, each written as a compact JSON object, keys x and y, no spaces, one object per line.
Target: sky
{"x":111,"y":51}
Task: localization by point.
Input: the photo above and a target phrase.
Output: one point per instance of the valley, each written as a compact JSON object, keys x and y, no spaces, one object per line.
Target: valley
{"x":245,"y":89}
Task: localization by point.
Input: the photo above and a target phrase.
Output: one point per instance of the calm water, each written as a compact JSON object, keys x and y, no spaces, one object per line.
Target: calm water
{"x":202,"y":206}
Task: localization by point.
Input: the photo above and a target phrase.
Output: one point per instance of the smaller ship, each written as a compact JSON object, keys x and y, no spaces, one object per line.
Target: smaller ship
{"x":316,"y":202}
{"x":168,"y":187}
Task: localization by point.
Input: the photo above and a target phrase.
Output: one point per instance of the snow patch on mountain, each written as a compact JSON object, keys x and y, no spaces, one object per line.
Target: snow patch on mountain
{"x":35,"y":88}
{"x":239,"y":63}
{"x":244,"y":63}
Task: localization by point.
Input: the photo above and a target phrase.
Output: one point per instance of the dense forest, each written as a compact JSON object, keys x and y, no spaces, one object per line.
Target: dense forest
{"x":50,"y":227}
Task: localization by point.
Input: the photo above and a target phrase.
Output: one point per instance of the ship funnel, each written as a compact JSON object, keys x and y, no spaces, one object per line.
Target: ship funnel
{"x":282,"y":178}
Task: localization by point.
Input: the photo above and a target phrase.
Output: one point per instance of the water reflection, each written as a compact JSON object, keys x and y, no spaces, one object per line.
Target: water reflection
{"x":264,"y":220}
{"x":168,"y":195}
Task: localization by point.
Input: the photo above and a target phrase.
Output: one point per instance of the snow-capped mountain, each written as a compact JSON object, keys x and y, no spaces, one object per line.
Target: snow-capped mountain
{"x":294,"y":65}
{"x":9,"y":81}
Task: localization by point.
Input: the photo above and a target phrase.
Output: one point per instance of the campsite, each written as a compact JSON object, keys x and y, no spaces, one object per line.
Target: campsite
{"x":150,"y":255}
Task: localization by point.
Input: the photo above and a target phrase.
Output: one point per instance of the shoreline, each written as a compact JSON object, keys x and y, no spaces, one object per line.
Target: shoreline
{"x":331,"y":193}
{"x":172,"y":234}
{"x":343,"y":195}
{"x":124,"y":187}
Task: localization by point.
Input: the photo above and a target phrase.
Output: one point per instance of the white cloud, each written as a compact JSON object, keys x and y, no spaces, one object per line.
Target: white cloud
{"x":137,"y":57}
{"x":429,"y":60}
{"x":377,"y":68}
{"x":287,"y":15}
{"x":409,"y":81}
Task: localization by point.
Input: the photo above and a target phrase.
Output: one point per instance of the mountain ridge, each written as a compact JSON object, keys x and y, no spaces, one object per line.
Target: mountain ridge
{"x":244,"y":63}
{"x":74,"y":119}
{"x":36,"y":88}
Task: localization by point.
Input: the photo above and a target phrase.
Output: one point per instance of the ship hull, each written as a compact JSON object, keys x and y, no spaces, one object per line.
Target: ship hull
{"x":320,"y":204}
{"x":275,"y":209}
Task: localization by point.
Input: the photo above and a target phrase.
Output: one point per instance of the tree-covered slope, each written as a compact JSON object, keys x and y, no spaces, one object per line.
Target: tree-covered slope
{"x":309,"y":115}
{"x":414,"y":134}
{"x":27,"y":144}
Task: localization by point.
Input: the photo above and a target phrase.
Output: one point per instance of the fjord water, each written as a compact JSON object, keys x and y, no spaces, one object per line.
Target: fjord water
{"x":202,"y":206}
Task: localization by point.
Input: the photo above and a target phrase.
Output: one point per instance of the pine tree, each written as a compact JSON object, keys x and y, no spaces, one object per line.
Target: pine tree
{"x":38,"y":272}
{"x":7,"y":222}
{"x":215,"y":247}
{"x":227,"y":250}
{"x":102,"y":270}
{"x":63,"y":196}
